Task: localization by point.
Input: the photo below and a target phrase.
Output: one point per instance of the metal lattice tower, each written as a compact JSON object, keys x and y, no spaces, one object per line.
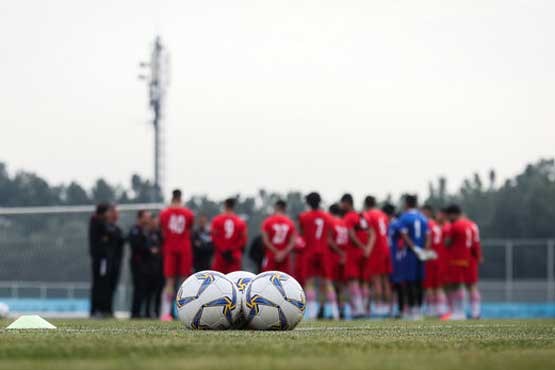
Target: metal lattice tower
{"x":157,"y":78}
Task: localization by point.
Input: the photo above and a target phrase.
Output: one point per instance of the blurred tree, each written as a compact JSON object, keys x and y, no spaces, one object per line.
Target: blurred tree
{"x":75,"y":194}
{"x":103,"y":192}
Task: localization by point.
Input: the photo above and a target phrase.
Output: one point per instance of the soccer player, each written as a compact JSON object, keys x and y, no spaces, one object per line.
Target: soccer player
{"x":357,"y":253}
{"x":434,"y":269}
{"x":176,"y":223}
{"x":476,"y":258}
{"x":398,"y":254}
{"x":379,"y":261}
{"x":338,"y":241}
{"x":278,"y":235}
{"x":459,"y":244}
{"x":315,"y":225}
{"x":414,"y":233}
{"x":229,"y":235}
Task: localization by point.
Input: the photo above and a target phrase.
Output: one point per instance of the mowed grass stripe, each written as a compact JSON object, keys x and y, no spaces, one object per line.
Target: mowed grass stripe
{"x":319,"y":345}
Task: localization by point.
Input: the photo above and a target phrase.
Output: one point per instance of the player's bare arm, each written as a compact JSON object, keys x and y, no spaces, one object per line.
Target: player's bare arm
{"x":268,"y":244}
{"x":371,"y":242}
{"x":354,"y":239}
{"x":334,"y":247}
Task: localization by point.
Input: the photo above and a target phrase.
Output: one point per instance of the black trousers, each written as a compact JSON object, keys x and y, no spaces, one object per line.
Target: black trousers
{"x":147,"y":289}
{"x":409,"y":293}
{"x":101,"y":289}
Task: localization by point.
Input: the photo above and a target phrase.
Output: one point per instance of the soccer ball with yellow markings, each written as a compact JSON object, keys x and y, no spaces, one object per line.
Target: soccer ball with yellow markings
{"x":208,"y":300}
{"x":274,"y":300}
{"x":241,"y":280}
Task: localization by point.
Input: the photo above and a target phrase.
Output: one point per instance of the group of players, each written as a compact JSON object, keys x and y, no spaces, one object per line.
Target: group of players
{"x":352,"y":264}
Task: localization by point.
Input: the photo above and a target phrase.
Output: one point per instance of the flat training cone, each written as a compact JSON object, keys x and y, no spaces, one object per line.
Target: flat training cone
{"x":31,"y":322}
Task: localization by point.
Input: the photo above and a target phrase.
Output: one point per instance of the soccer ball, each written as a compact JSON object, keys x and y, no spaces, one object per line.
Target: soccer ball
{"x":4,"y":310}
{"x":241,"y":280}
{"x":208,"y":300}
{"x":274,"y":301}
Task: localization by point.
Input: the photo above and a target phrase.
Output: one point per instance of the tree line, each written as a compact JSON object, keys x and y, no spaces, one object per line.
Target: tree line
{"x":521,"y":207}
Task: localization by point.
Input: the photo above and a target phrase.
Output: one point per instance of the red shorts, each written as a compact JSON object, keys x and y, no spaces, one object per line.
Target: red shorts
{"x":337,"y":269}
{"x":270,"y":264}
{"x":355,"y":264}
{"x":379,"y":263}
{"x":316,"y":264}
{"x":456,"y":273}
{"x":220,"y":264}
{"x":472,"y":273}
{"x":297,"y":271}
{"x":178,"y":263}
{"x":433,"y":274}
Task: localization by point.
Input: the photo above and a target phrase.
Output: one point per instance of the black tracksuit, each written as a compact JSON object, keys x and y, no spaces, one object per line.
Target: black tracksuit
{"x":98,"y":250}
{"x":146,"y":270}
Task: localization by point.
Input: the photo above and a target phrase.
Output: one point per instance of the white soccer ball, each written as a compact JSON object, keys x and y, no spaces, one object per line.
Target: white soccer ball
{"x":4,"y":310}
{"x":274,"y":301}
{"x":208,"y":300}
{"x":241,"y":280}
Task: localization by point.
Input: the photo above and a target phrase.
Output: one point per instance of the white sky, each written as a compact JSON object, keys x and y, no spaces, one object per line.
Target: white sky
{"x":368,"y":96}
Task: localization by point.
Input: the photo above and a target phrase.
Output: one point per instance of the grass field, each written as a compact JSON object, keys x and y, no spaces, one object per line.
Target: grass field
{"x":85,"y":344}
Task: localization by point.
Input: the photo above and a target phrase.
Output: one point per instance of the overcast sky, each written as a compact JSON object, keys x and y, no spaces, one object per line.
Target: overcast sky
{"x":368,"y":96}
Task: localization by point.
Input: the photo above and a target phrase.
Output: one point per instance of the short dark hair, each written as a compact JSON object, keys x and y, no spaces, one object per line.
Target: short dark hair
{"x":453,"y":209}
{"x":176,"y":194}
{"x":388,"y":209}
{"x":347,"y":198}
{"x":313,"y":199}
{"x":140,"y":213}
{"x":411,"y":200}
{"x":334,"y":209}
{"x":102,"y":208}
{"x":281,"y":204}
{"x":428,"y":207}
{"x":369,"y":201}
{"x":229,"y":203}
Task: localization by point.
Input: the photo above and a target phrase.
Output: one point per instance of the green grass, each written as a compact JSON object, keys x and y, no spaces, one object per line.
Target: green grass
{"x":85,"y":344}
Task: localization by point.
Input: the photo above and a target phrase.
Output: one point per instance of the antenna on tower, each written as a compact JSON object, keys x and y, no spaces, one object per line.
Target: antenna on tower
{"x":156,"y":75}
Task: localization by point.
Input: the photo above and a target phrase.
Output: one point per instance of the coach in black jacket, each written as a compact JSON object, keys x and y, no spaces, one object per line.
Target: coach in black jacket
{"x":98,"y":250}
{"x":139,"y":262}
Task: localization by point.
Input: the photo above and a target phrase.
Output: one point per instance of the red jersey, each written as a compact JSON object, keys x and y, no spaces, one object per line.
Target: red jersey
{"x":378,"y":221}
{"x":462,"y":239}
{"x":229,"y":232}
{"x":357,"y":222}
{"x":476,"y":250}
{"x":279,"y":229}
{"x":340,"y":233}
{"x":445,"y":232}
{"x":436,"y":235}
{"x":315,"y":226}
{"x":176,"y":224}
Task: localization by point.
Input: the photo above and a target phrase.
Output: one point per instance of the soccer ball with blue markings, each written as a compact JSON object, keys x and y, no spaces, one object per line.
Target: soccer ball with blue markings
{"x":241,"y":280}
{"x":274,"y":301}
{"x":208,"y":300}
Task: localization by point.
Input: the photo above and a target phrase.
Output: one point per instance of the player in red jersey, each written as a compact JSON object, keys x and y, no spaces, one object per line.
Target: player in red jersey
{"x":278,"y":236}
{"x":176,"y":223}
{"x":229,"y":235}
{"x":476,"y":258}
{"x":436,"y":300}
{"x":357,"y":255}
{"x":459,"y":244}
{"x":315,"y":226}
{"x":379,"y":260}
{"x":298,"y":253}
{"x":338,"y":241}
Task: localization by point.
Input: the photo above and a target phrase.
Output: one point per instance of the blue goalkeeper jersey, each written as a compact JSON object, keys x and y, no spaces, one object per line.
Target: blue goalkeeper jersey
{"x":415,"y":225}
